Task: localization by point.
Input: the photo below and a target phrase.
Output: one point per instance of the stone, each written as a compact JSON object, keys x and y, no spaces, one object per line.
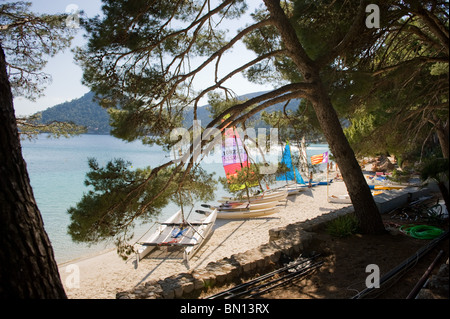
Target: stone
{"x":221,"y":277}
{"x":168,"y":294}
{"x":198,"y":284}
{"x":188,"y":287}
{"x":178,"y":291}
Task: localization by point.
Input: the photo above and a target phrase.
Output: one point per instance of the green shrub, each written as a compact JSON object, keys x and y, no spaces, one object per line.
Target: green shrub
{"x":343,"y":226}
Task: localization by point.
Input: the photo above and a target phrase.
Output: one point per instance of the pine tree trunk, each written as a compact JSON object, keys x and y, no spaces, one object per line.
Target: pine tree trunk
{"x":366,"y":210}
{"x":27,"y":265}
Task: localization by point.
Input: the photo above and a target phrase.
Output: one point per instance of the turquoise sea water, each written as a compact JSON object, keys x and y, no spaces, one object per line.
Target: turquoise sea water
{"x":57,"y":169}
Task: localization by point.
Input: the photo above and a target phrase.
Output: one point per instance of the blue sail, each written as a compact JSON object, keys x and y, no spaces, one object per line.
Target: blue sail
{"x":289,"y":175}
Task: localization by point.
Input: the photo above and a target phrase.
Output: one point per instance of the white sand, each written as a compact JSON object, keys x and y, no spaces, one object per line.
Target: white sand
{"x":104,"y":275}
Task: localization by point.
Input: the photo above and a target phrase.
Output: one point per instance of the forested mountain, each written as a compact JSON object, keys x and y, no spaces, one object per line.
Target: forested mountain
{"x":84,"y":111}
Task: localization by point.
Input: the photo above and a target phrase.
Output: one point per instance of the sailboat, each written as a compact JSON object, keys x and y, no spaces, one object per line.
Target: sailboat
{"x":294,"y":181}
{"x":178,"y":232}
{"x":234,"y":159}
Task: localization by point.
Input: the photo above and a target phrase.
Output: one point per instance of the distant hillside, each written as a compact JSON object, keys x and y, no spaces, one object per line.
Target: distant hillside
{"x":84,"y":111}
{"x":204,"y":115}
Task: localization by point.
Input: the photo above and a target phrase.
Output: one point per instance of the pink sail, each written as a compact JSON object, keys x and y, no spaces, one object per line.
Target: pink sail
{"x":234,"y":156}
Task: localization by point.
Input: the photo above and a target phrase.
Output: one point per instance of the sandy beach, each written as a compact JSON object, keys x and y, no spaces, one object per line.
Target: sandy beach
{"x":102,"y":276}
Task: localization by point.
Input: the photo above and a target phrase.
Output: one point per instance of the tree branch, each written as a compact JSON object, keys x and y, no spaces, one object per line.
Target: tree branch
{"x":280,"y":94}
{"x":294,"y":48}
{"x":414,"y":61}
{"x":234,"y":72}
{"x":352,"y":33}
{"x":436,"y":27}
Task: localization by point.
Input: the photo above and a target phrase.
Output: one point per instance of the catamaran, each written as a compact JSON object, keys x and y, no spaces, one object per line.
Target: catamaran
{"x":178,"y":232}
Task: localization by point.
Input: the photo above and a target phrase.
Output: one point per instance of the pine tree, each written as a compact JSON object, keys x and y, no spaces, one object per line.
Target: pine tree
{"x":138,"y":60}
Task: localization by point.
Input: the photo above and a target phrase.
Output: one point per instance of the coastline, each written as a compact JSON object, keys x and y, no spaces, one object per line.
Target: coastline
{"x":103,"y":275}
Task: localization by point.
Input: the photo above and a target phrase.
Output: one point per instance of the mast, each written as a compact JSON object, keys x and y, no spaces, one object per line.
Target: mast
{"x":240,"y":161}
{"x":292,"y":162}
{"x":303,"y":156}
{"x":178,"y":191}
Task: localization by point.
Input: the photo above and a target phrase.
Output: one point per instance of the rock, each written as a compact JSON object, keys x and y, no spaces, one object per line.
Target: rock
{"x":123,"y":295}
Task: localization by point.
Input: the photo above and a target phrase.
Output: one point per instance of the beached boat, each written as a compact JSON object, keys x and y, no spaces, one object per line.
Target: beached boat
{"x":241,"y":206}
{"x":291,"y":189}
{"x":242,"y":214}
{"x":259,"y":198}
{"x":294,"y":181}
{"x":386,"y":187}
{"x":339,"y":199}
{"x":345,"y":199}
{"x":177,"y":232}
{"x":325,"y":182}
{"x":235,"y":159}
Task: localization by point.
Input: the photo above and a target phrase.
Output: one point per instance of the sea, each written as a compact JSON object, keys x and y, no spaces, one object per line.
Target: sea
{"x":57,"y":169}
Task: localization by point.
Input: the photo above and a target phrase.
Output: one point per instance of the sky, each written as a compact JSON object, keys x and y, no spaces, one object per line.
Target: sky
{"x":66,"y":75}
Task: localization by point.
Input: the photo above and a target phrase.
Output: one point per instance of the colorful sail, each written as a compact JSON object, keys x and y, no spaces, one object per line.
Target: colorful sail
{"x":319,"y":159}
{"x":234,"y":157}
{"x":292,"y":174}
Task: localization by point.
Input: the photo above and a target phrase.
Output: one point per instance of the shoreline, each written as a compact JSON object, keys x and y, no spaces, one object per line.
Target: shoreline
{"x":103,"y":275}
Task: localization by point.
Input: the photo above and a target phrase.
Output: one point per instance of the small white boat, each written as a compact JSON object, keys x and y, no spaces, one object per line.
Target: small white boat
{"x":239,"y":214}
{"x":176,"y":231}
{"x":345,"y":199}
{"x":291,"y":189}
{"x":339,"y":199}
{"x":243,"y":206}
{"x":260,"y":198}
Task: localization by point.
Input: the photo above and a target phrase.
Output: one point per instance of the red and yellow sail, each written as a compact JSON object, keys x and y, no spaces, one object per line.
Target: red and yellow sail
{"x":234,"y":158}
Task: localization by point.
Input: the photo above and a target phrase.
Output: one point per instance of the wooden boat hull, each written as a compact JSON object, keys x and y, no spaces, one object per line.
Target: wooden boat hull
{"x":246,"y":206}
{"x":247,"y":213}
